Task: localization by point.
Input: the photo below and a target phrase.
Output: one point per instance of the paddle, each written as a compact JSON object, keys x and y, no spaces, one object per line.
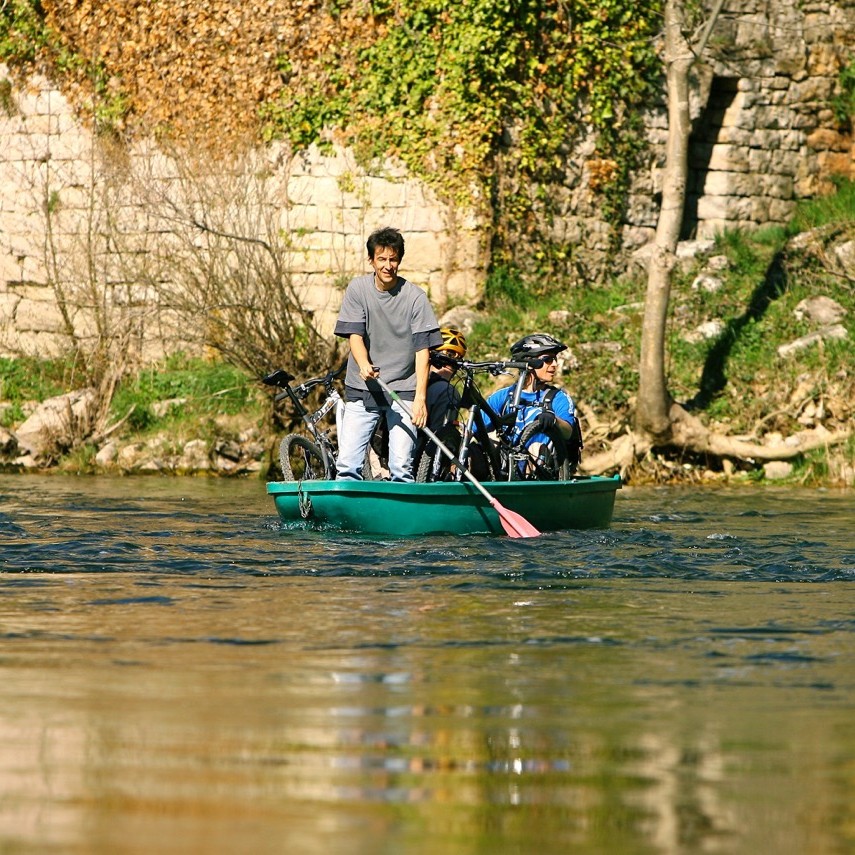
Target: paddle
{"x":513,"y":524}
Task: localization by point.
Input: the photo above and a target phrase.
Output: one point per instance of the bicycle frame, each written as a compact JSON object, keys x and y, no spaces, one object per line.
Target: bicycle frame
{"x":502,"y":453}
{"x":297,"y":395}
{"x":515,"y":456}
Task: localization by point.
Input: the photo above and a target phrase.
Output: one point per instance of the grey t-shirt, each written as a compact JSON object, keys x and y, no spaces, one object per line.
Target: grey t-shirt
{"x":394,"y":324}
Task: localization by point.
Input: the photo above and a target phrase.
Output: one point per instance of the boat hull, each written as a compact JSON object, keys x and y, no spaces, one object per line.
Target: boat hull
{"x":396,"y":509}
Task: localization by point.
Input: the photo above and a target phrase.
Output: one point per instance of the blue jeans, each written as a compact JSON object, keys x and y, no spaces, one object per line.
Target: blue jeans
{"x":357,"y":427}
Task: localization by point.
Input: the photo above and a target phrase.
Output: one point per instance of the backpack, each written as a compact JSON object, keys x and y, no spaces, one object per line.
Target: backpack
{"x":573,"y":444}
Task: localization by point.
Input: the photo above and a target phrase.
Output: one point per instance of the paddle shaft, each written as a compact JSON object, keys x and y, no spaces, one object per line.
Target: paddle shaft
{"x":434,"y":438}
{"x":514,"y":524}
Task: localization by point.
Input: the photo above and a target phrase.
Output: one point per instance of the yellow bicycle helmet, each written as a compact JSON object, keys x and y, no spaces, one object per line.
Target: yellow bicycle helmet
{"x":453,"y":343}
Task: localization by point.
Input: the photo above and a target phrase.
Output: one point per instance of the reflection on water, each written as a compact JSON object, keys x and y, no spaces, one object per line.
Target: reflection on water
{"x":177,"y":674}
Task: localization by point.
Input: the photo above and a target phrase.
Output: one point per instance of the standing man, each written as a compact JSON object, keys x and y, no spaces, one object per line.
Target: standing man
{"x":390,"y":326}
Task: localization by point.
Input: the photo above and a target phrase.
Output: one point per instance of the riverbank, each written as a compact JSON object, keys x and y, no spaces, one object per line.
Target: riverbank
{"x":245,"y":450}
{"x":758,"y":345}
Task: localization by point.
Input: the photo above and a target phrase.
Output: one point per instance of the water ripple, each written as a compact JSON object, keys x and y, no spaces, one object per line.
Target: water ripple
{"x":686,"y":535}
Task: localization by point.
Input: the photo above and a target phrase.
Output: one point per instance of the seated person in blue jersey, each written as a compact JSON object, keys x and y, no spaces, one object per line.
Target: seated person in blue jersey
{"x":540,"y":400}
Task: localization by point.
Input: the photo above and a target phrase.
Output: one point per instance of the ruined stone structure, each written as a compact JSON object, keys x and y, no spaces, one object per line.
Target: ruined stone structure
{"x":765,"y":136}
{"x":50,"y":204}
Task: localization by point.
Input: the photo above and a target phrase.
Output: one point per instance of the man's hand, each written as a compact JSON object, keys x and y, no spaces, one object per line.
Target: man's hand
{"x":547,"y":419}
{"x":368,"y":371}
{"x":419,"y":412}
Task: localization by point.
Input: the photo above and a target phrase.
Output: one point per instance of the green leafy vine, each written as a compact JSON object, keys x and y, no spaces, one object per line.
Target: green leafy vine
{"x":26,"y":38}
{"x":482,"y":99}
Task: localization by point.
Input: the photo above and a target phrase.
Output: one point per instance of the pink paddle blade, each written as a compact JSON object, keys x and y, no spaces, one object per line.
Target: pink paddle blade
{"x":514,"y":524}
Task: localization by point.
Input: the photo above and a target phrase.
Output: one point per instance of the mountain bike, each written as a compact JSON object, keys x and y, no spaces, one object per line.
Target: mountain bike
{"x":304,"y":458}
{"x":493,"y":454}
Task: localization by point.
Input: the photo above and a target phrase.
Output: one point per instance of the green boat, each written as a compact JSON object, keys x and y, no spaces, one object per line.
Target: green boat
{"x":395,"y":509}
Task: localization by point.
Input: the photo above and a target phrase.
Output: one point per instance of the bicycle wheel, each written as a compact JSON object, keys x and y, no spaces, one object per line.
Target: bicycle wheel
{"x":548,"y":460}
{"x":300,"y":459}
{"x":433,"y":464}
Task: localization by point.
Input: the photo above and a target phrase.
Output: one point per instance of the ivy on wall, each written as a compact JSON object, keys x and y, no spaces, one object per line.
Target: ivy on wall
{"x":451,"y":88}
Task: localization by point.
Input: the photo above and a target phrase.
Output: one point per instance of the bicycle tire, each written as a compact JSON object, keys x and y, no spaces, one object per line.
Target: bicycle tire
{"x":301,"y":460}
{"x":433,"y":464}
{"x":552,"y":464}
{"x":481,"y":461}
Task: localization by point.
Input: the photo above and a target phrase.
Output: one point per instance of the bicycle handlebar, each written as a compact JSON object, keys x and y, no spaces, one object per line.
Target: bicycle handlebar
{"x":282,"y":380}
{"x":499,"y":367}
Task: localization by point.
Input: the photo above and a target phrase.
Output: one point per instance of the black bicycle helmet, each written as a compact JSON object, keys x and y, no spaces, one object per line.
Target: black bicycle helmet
{"x":536,"y":344}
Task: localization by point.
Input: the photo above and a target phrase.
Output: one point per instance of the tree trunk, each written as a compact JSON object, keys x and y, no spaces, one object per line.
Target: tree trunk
{"x":659,"y":420}
{"x":654,"y":400}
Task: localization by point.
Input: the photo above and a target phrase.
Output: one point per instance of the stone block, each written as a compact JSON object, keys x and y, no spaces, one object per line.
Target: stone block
{"x":759,"y":160}
{"x":780,"y":81}
{"x":8,"y":305}
{"x":803,"y":120}
{"x":828,"y":139}
{"x":383,"y":194}
{"x":734,"y":135}
{"x":422,"y":218}
{"x":773,"y":118}
{"x":325,"y":320}
{"x":710,"y":227}
{"x":332,"y":165}
{"x":787,"y":163}
{"x":304,"y":189}
{"x":781,"y":210}
{"x":465,"y":286}
{"x":822,"y":60}
{"x":325,"y":260}
{"x":776,"y":186}
{"x":760,"y":209}
{"x":728,"y":184}
{"x":724,"y":207}
{"x":298,"y":218}
{"x":465,"y":252}
{"x":320,"y":296}
{"x":38,"y":316}
{"x":425,"y":252}
{"x":70,"y":147}
{"x":836,"y":163}
{"x":767,"y":140}
{"x":729,"y":158}
{"x":777,"y":470}
{"x":813,"y":89}
{"x":349,"y":221}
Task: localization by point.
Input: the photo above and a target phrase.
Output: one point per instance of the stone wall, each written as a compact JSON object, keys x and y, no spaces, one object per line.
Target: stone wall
{"x":53,"y":184}
{"x":764,"y":135}
{"x":764,"y":138}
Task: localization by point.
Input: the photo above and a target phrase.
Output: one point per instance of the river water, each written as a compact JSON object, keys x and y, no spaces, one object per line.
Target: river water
{"x":180,"y":675}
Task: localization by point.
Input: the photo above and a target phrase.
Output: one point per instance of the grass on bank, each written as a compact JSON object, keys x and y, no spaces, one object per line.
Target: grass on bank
{"x":178,"y":392}
{"x":735,"y":378}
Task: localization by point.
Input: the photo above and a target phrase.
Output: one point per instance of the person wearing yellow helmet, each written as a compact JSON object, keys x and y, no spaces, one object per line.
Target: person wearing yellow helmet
{"x":443,"y":400}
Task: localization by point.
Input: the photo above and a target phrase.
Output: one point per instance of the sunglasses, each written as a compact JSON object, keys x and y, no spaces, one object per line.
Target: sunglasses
{"x":548,"y":359}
